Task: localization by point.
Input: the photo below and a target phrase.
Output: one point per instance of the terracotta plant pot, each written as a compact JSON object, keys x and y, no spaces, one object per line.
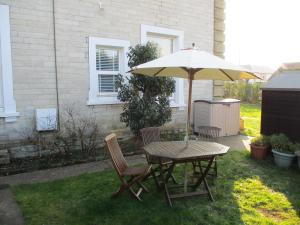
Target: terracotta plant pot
{"x":259,"y":152}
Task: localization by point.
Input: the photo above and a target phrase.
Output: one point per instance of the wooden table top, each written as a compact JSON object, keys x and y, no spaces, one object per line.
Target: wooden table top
{"x":177,"y":150}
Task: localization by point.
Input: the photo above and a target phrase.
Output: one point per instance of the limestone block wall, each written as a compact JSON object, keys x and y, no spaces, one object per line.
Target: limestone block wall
{"x":219,"y":42}
{"x":33,"y":59}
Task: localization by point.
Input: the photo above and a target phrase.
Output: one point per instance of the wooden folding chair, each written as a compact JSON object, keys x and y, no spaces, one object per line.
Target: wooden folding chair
{"x":152,"y":134}
{"x":129,"y":176}
{"x":209,"y":133}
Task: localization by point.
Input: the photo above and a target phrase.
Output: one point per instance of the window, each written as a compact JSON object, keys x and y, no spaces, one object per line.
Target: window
{"x":168,"y":41}
{"x":166,"y":47}
{"x":107,"y":65}
{"x":107,"y":59}
{"x":7,"y":102}
{"x":1,"y":85}
{"x":165,"y":44}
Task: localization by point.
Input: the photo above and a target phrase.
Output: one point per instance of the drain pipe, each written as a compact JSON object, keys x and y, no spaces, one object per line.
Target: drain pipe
{"x":55,"y":65}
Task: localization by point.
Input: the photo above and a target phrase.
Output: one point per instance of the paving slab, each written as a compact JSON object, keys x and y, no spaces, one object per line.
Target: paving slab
{"x":63,"y":172}
{"x":237,"y":142}
{"x":10,"y":213}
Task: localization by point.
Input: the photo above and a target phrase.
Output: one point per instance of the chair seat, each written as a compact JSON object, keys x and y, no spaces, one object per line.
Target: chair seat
{"x":134,"y":171}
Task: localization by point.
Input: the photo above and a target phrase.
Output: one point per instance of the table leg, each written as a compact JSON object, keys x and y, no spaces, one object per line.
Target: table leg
{"x":203,"y":178}
{"x":165,"y":181}
{"x":185,"y":178}
{"x":205,"y":183}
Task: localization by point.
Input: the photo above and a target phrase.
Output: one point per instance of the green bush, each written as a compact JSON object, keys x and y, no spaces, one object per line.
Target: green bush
{"x":281,"y":143}
{"x":243,"y":90}
{"x":146,"y":99}
{"x":294,"y":147}
{"x":261,"y":140}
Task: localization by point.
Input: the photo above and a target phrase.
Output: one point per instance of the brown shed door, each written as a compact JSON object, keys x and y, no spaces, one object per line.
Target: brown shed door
{"x":281,"y":113}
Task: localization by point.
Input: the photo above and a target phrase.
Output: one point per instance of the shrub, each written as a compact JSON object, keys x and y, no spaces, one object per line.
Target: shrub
{"x":280,"y":142}
{"x":78,"y":132}
{"x":261,"y":140}
{"x":294,"y":147}
{"x":146,"y":99}
{"x":243,"y":90}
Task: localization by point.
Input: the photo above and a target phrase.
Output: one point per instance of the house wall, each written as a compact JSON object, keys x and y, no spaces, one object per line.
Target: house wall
{"x":219,"y":42}
{"x":33,"y":51}
{"x":32,"y":63}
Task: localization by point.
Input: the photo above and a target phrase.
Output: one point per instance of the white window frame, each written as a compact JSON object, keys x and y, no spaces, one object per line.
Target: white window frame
{"x":95,"y":97}
{"x":9,"y":104}
{"x":178,"y":44}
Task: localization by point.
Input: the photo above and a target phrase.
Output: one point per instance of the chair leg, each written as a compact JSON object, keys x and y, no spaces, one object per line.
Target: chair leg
{"x":173,"y":179}
{"x":155,"y":178}
{"x":136,"y":195}
{"x":118,"y":192}
{"x":143,"y":187}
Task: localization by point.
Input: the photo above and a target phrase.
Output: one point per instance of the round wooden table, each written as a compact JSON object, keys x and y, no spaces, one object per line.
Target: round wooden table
{"x":178,"y":152}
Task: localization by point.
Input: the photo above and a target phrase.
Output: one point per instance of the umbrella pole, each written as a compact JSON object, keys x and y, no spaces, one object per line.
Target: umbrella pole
{"x":190,"y":86}
{"x":191,"y":77}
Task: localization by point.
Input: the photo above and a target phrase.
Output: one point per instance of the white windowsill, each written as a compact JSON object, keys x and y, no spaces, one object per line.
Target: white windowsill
{"x":9,"y":117}
{"x":177,"y":105}
{"x":103,"y":101}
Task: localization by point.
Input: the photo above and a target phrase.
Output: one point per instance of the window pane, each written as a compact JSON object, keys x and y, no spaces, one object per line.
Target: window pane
{"x":1,"y":84}
{"x":107,"y":83}
{"x":107,"y":59}
{"x":165,"y":44}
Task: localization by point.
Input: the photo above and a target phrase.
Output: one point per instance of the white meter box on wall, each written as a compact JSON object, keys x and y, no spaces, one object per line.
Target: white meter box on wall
{"x":46,"y":119}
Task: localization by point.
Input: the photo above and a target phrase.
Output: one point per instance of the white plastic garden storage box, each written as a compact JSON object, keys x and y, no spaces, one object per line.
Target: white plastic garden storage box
{"x":224,"y":114}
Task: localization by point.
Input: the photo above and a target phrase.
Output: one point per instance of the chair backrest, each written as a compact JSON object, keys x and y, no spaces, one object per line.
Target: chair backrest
{"x":116,"y":154}
{"x":150,"y":134}
{"x":208,"y":133}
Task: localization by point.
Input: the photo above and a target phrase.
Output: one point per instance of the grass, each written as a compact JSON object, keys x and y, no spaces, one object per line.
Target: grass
{"x":251,"y":114}
{"x":246,"y":192}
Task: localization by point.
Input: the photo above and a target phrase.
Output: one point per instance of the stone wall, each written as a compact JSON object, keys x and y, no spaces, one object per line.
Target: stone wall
{"x":33,"y":49}
{"x":219,"y":41}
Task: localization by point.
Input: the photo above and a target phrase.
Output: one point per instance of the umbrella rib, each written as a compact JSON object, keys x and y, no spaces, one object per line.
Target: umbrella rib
{"x":159,"y":71}
{"x":226,"y":75}
{"x":253,"y":74}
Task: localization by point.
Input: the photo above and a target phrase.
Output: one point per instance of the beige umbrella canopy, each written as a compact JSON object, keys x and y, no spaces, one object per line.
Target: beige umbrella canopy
{"x":192,"y":64}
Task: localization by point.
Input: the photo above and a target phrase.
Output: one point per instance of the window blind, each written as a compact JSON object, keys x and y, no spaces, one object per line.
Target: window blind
{"x":107,"y":59}
{"x":107,"y":83}
{"x":107,"y":64}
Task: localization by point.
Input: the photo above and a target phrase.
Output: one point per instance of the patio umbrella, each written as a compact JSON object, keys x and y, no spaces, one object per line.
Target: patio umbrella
{"x":192,"y":64}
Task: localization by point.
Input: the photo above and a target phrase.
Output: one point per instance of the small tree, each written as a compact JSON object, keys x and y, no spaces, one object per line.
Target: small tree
{"x":146,"y":98}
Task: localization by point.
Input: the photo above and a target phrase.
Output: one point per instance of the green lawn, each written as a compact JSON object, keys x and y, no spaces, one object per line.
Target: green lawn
{"x":246,"y":191}
{"x":251,"y":113}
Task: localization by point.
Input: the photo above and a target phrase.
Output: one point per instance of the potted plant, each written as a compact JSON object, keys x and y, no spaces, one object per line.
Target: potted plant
{"x":296,"y":148}
{"x":282,"y":151}
{"x":259,"y":147}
